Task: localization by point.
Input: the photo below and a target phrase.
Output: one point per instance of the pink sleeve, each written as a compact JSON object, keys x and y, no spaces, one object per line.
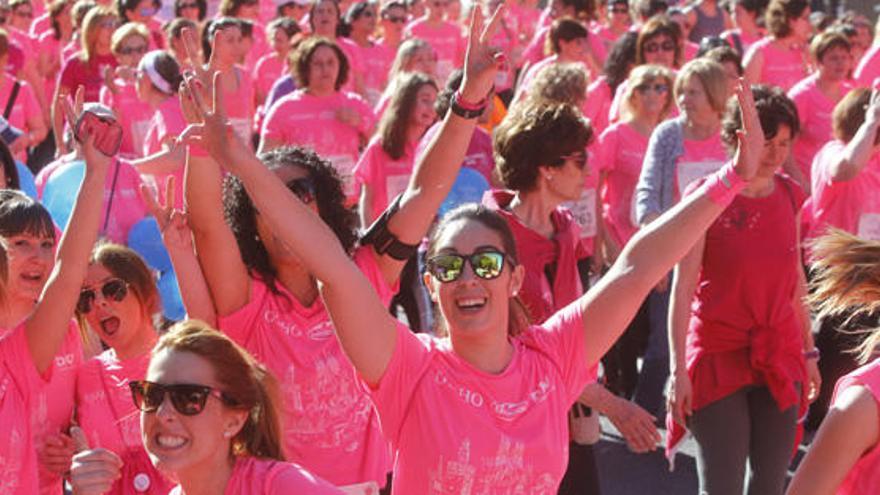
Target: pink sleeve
{"x":605,"y":151}
{"x":285,"y":478}
{"x":365,"y":169}
{"x":16,"y":357}
{"x":562,"y":338}
{"x":273,"y":125}
{"x":365,"y":259}
{"x":240,"y":324}
{"x":412,"y":355}
{"x":29,"y":102}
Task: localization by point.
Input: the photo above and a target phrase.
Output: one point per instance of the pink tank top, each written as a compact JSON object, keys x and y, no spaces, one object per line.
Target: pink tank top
{"x":864,"y":477}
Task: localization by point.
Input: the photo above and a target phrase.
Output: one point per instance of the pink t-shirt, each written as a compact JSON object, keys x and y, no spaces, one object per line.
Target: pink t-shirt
{"x":19,"y":382}
{"x":25,"y":107}
{"x":534,"y":52}
{"x":869,"y":67}
{"x":166,"y":124}
{"x":268,"y":70}
{"x":133,"y":114}
{"x":50,"y":49}
{"x":375,"y":61}
{"x":305,"y":120}
{"x":330,"y":427}
{"x":447,"y":41}
{"x":814,"y":111}
{"x":41,"y":24}
{"x":782,"y":67}
{"x":620,"y":153}
{"x":700,"y":159}
{"x":458,"y":429}
{"x":479,"y":153}
{"x":252,"y":476}
{"x":598,"y":104}
{"x":76,"y":72}
{"x":110,"y":419}
{"x":864,"y":477}
{"x":853,"y":205}
{"x":259,"y":48}
{"x":239,"y":105}
{"x":386,"y":177}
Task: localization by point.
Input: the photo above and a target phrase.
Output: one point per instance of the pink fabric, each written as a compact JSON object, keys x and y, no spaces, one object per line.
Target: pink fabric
{"x":166,"y":124}
{"x":259,"y":48}
{"x":24,"y":109}
{"x":534,"y":52}
{"x":864,"y":477}
{"x":598,"y":104}
{"x":376,"y":62}
{"x":330,"y":426}
{"x":746,"y":40}
{"x":132,"y":113}
{"x":744,"y":328}
{"x":41,"y":24}
{"x":853,"y":205}
{"x":268,"y":70}
{"x":109,"y":418}
{"x":355,"y":62}
{"x":620,"y":154}
{"x":19,"y":383}
{"x":51,"y":49}
{"x":446,"y":39}
{"x":77,"y":72}
{"x":27,"y":42}
{"x":239,"y":105}
{"x":305,"y":120}
{"x":458,"y":429}
{"x":479,"y":154}
{"x":252,"y":476}
{"x":536,"y":253}
{"x":782,"y":67}
{"x":814,"y":110}
{"x":386,"y":177}
{"x":869,"y":67}
{"x":700,"y":158}
{"x":533,"y":72}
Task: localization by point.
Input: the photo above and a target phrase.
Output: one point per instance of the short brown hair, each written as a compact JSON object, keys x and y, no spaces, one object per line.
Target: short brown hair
{"x":780,"y":14}
{"x":711,"y":75}
{"x":565,"y":29}
{"x":535,"y":136}
{"x":301,"y":60}
{"x":825,"y":41}
{"x":659,"y":25}
{"x":775,"y":110}
{"x":849,"y":114}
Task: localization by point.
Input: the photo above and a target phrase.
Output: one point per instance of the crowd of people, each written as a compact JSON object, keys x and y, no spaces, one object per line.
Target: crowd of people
{"x":422,"y":245}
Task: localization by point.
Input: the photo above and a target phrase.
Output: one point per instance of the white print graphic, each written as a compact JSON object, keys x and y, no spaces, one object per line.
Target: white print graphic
{"x":507,"y":411}
{"x":506,"y":473}
{"x":325,"y":406}
{"x":10,"y":468}
{"x":129,"y":426}
{"x":394,"y":185}
{"x":584,"y":211}
{"x":690,"y":171}
{"x":869,"y":226}
{"x":320,"y":331}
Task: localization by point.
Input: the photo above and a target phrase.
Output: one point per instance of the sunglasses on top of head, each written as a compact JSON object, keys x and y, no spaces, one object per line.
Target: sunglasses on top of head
{"x":187,"y":398}
{"x":448,"y":267}
{"x":114,"y":290}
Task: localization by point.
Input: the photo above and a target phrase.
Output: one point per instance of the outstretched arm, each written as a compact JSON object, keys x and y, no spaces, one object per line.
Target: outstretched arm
{"x":861,"y":147}
{"x":610,"y":305}
{"x":47,"y":325}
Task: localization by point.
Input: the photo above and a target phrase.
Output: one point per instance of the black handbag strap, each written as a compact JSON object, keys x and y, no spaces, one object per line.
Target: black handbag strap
{"x":11,"y":101}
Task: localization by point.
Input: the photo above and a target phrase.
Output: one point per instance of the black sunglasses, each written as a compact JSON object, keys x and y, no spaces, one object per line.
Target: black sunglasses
{"x":449,"y":267}
{"x":187,"y":398}
{"x":395,"y":19}
{"x":666,"y":46}
{"x":304,"y":188}
{"x":113,"y":289}
{"x":658,"y":88}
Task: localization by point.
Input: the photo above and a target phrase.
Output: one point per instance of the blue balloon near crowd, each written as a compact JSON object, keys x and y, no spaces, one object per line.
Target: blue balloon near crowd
{"x":146,"y":238}
{"x":60,"y":191}
{"x":172,"y":303}
{"x":469,"y":187}
{"x":26,"y":180}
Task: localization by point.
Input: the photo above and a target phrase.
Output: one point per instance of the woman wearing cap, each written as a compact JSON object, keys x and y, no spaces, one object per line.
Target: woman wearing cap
{"x":780,"y":59}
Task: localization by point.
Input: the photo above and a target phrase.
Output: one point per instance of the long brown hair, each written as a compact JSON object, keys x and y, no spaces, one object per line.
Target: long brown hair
{"x":396,"y":118}
{"x":245,"y":383}
{"x":846,"y":281}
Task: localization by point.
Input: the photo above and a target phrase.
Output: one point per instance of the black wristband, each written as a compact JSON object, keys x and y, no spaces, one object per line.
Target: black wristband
{"x":462,"y":112}
{"x":383,"y":241}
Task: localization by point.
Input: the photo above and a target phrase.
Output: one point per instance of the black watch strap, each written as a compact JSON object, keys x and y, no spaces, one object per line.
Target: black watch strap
{"x":383,"y":241}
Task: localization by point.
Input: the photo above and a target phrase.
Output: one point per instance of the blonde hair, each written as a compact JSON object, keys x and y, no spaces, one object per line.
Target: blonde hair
{"x":560,"y":82}
{"x":89,"y":30}
{"x":711,"y":75}
{"x":644,"y":74}
{"x":846,"y":282}
{"x":126,"y":30}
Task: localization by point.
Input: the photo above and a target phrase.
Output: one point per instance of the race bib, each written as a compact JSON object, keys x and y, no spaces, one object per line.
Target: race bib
{"x":584,"y":210}
{"x":344,"y":166}
{"x":394,"y":185}
{"x":869,"y":226}
{"x":691,"y":171}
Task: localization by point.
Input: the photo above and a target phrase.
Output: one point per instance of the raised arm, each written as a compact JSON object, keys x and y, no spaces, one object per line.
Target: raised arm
{"x":47,"y":325}
{"x":610,"y":305}
{"x":435,"y":173}
{"x":858,"y":151}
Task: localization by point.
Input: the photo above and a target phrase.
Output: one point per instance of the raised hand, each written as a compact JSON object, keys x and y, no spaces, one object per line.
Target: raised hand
{"x":481,"y":61}
{"x":172,"y":222}
{"x":872,"y":114}
{"x":211,"y":129}
{"x":92,"y":471}
{"x":750,"y":139}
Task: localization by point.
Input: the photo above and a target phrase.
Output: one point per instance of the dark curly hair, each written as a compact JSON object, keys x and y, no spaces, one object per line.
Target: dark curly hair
{"x":621,"y":59}
{"x":775,"y":109}
{"x":241,"y":215}
{"x":535,"y":136}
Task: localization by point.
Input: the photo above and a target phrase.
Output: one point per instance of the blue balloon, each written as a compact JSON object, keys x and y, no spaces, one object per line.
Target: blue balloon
{"x":146,"y":238}
{"x":26,"y":180}
{"x":172,"y":303}
{"x":469,"y":187}
{"x":60,"y":191}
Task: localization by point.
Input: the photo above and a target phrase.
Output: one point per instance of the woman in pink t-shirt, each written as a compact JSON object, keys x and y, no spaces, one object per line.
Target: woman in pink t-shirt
{"x":496,"y":392}
{"x":568,"y":42}
{"x":322,"y":115}
{"x":25,"y":112}
{"x":844,"y":457}
{"x":36,"y":351}
{"x":781,"y":59}
{"x":375,"y":60}
{"x":384,"y":168}
{"x":143,"y":12}
{"x":208,"y":419}
{"x":816,"y":97}
{"x":413,"y":55}
{"x":274,"y":65}
{"x":50,"y":43}
{"x":744,"y":15}
{"x":443,"y":36}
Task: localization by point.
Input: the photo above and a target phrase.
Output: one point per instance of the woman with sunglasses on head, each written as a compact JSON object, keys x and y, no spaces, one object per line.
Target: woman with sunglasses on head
{"x":40,"y":349}
{"x":741,"y":381}
{"x":129,"y":44}
{"x":208,"y":420}
{"x":780,"y":59}
{"x":497,"y":391}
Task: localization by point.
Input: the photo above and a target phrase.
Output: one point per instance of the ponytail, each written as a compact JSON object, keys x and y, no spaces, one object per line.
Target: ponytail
{"x":261,"y":434}
{"x":846,"y":281}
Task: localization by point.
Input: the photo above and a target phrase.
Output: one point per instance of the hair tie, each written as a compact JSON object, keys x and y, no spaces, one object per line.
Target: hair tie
{"x":148,"y":66}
